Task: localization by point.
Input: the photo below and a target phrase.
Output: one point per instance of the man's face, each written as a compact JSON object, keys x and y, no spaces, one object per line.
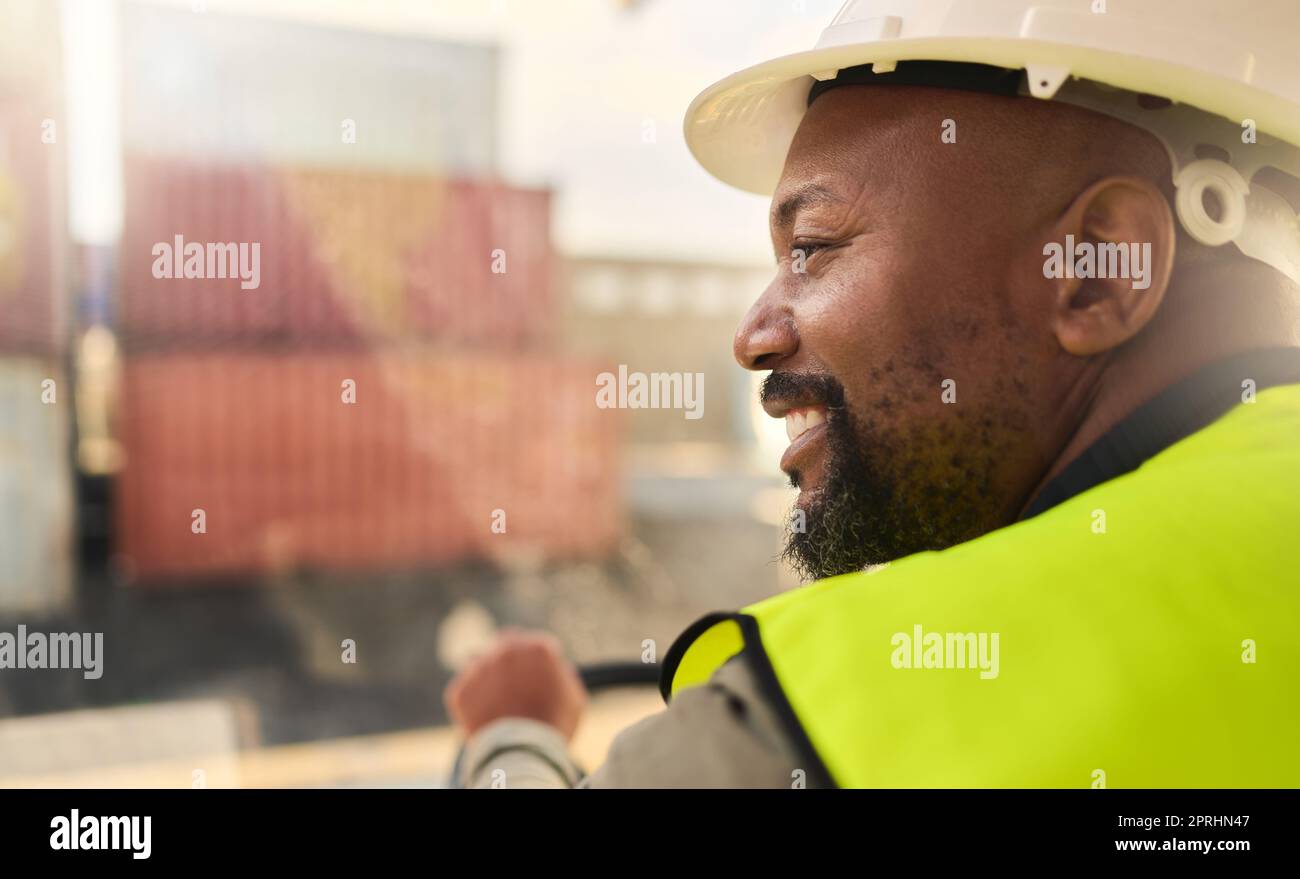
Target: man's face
{"x":907,"y":353}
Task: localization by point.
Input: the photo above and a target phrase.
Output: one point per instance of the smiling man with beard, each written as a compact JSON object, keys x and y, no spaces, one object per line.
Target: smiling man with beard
{"x":1099,"y":473}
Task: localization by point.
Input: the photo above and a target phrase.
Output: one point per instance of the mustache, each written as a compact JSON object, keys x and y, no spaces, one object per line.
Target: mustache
{"x":816,"y":387}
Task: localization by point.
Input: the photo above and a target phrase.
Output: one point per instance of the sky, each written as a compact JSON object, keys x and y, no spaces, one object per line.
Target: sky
{"x":591,"y":101}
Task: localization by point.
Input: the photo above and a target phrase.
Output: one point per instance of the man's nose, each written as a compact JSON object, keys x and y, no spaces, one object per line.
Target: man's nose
{"x":766,"y":335}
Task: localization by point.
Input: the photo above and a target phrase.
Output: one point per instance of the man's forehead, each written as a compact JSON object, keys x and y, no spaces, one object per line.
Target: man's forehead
{"x":827,"y":162}
{"x":795,"y":195}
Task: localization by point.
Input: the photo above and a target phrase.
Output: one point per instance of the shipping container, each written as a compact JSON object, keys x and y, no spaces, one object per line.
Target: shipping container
{"x":231,"y":89}
{"x":289,"y":474}
{"x":344,"y":258}
{"x":33,"y":236}
{"x":36,"y":506}
{"x":33,"y":230}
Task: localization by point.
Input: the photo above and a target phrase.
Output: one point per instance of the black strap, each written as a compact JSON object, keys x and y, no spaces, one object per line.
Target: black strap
{"x":939,"y":74}
{"x":514,"y":748}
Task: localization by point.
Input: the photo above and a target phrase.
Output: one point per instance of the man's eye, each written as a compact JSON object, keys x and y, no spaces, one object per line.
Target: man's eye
{"x":807,"y":248}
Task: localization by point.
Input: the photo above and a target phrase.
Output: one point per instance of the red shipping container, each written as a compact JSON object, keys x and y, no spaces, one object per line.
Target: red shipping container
{"x":491,"y":250}
{"x":33,"y":232}
{"x":289,"y":475}
{"x":345,"y":257}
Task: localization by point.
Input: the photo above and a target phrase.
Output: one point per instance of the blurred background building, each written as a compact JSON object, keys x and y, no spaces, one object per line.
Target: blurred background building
{"x":467,"y":210}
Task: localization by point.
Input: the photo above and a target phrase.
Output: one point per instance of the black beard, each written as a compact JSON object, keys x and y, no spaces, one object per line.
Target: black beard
{"x":880,"y":499}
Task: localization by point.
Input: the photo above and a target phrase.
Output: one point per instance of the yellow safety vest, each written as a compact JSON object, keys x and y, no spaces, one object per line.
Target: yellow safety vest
{"x":1161,"y":650}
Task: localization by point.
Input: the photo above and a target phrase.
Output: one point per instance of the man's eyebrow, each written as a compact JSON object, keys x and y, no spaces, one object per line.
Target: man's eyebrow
{"x":808,"y":194}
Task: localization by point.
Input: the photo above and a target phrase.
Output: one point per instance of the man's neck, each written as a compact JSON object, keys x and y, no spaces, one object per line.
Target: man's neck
{"x":1207,"y":318}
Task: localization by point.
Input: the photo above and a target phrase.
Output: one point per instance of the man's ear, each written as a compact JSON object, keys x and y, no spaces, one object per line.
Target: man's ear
{"x":1107,"y":260}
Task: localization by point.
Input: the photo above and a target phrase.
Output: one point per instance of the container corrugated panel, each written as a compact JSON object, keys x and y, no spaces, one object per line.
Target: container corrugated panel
{"x":203,"y":205}
{"x":36,"y":506}
{"x":486,"y":275}
{"x":290,"y":476}
{"x":345,"y":257}
{"x":32,"y":232}
{"x":296,"y":93}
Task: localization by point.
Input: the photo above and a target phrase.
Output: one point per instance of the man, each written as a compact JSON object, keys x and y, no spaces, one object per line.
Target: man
{"x":1034,"y":339}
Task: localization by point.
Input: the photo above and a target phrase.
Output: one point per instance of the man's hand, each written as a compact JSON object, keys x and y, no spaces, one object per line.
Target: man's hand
{"x":524,"y":674}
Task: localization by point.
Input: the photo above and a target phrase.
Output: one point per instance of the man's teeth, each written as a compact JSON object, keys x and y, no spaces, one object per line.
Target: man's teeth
{"x":799,"y":421}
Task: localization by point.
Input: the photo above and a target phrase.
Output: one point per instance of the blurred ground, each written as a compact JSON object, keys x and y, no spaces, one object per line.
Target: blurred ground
{"x":160,"y":753}
{"x":277,"y":645}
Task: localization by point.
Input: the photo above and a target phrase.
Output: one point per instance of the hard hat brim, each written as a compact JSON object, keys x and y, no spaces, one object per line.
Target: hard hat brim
{"x":740,"y":128}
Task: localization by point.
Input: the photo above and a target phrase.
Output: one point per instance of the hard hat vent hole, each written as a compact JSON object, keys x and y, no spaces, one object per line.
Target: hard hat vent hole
{"x":1210,"y":151}
{"x":1212,"y":205}
{"x":1153,"y":102}
{"x":1279,"y":181}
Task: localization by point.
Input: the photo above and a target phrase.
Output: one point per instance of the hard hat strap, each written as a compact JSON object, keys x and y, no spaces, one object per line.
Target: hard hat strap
{"x":938,"y":74}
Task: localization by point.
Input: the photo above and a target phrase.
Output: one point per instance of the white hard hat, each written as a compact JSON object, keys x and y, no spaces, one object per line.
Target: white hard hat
{"x":1231,"y":71}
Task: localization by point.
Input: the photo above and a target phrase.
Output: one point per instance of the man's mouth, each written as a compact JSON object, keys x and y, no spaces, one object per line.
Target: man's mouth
{"x":805,"y":426}
{"x":806,"y":403}
{"x":800,"y":421}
